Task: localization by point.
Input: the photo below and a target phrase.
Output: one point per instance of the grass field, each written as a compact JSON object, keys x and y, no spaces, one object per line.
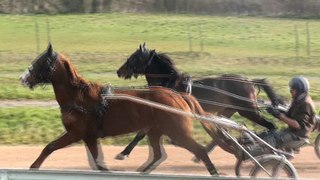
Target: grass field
{"x":99,"y":43}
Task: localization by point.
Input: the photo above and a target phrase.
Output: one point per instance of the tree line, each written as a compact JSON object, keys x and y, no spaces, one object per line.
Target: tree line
{"x":298,"y":8}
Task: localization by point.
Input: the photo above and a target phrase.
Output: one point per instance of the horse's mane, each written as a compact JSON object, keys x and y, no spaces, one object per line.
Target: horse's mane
{"x":168,"y":61}
{"x":85,"y":87}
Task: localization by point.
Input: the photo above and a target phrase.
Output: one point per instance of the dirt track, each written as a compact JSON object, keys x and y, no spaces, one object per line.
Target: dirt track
{"x":178,"y":162}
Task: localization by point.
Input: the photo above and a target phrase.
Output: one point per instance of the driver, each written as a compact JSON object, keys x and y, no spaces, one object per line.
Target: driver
{"x":300,"y":117}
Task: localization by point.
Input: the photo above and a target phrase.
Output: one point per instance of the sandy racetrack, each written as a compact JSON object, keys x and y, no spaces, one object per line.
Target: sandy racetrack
{"x":178,"y":161}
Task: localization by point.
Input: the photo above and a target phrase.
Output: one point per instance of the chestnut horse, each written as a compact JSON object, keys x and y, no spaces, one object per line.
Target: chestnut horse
{"x":224,"y":95}
{"x":87,"y":116}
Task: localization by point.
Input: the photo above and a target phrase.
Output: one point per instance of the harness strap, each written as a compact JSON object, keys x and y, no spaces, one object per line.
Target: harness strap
{"x":73,"y":107}
{"x":99,"y":109}
{"x":150,"y":60}
{"x":159,"y":75}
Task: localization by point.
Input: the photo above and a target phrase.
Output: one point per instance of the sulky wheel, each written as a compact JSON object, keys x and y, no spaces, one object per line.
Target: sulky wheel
{"x":277,"y":167}
{"x":317,"y":146}
{"x":243,"y":167}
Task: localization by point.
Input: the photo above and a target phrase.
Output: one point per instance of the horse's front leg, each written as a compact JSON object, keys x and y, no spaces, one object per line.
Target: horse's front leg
{"x":66,"y":139}
{"x":129,"y":148}
{"x":95,"y":154}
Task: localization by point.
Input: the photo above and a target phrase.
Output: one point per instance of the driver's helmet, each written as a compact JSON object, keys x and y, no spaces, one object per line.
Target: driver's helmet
{"x":300,"y":84}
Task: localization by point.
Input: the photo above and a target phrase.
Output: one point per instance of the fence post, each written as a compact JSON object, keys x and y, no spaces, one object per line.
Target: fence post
{"x":308,"y":39}
{"x":37,"y":36}
{"x":200,"y":36}
{"x":297,"y":41}
{"x":190,"y":39}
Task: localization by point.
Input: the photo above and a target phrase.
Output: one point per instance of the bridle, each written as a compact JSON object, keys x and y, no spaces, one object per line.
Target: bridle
{"x":43,"y":74}
{"x":149,"y":61}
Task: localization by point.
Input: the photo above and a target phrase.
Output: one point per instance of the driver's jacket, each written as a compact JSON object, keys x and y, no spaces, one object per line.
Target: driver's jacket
{"x":303,"y":111}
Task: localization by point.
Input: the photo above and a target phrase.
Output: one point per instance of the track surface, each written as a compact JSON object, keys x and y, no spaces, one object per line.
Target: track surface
{"x":178,"y":162}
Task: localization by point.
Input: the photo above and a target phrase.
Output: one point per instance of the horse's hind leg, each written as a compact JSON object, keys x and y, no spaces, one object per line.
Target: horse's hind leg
{"x":157,"y":153}
{"x":227,"y":113}
{"x":199,"y":151}
{"x":140,"y":135}
{"x":95,"y":154}
{"x":209,"y":147}
{"x":63,"y":141}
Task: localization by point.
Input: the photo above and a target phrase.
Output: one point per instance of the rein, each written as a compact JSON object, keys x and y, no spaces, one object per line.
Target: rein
{"x":159,"y":75}
{"x":226,"y":105}
{"x":223,"y":92}
{"x":212,"y":88}
{"x":238,"y":80}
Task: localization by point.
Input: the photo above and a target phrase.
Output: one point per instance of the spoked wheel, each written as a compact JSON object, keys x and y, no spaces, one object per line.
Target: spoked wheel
{"x":317,"y":146}
{"x":276,"y":166}
{"x":243,"y":167}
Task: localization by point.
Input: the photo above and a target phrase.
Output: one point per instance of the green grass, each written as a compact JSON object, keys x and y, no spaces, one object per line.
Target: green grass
{"x":41,"y":125}
{"x":98,"y":44}
{"x":29,"y":125}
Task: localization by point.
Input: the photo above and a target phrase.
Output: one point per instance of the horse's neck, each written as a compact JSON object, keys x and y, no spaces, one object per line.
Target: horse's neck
{"x":65,"y":94}
{"x":76,"y":93}
{"x":160,"y":74}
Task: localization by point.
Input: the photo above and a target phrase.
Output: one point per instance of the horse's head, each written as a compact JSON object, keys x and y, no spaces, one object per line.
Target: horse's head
{"x":137,"y":63}
{"x":41,"y":69}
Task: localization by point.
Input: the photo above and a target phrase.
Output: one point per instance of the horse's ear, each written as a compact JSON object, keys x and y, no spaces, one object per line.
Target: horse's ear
{"x":145,"y":47}
{"x":140,"y":48}
{"x":49,"y":49}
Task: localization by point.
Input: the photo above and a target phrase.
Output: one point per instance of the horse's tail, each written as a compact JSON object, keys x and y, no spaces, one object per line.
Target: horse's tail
{"x":274,"y":98}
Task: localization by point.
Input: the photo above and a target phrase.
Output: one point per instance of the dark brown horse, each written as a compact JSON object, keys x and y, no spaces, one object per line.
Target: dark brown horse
{"x":87,"y":116}
{"x":224,"y":95}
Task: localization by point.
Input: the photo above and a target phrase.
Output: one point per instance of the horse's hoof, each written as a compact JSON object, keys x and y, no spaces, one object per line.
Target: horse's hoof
{"x":214,"y":172}
{"x":120,"y":157}
{"x":102,"y":168}
{"x":34,"y":167}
